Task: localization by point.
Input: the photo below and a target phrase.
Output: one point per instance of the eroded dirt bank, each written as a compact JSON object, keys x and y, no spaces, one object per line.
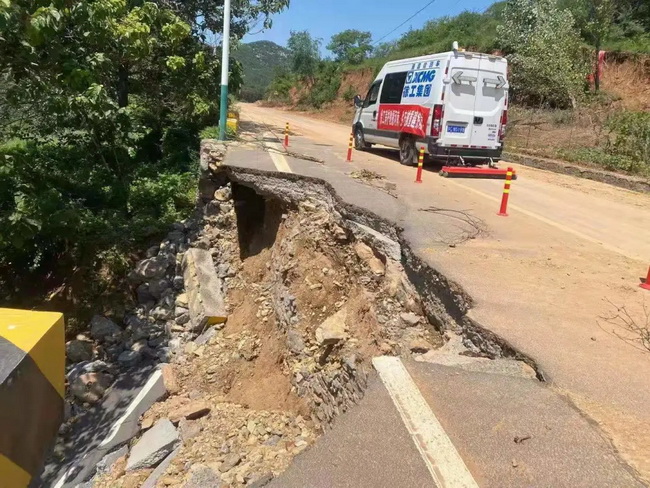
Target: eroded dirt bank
{"x":314,"y":289}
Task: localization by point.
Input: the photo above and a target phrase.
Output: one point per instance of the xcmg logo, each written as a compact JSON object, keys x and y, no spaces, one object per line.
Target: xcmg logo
{"x":426,"y":76}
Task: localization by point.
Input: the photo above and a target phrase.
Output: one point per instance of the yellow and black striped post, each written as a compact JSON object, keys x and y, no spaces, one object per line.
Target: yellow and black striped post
{"x":418,"y":178}
{"x":503,"y":212}
{"x":350,"y":145}
{"x":286,"y":135}
{"x":32,"y":388}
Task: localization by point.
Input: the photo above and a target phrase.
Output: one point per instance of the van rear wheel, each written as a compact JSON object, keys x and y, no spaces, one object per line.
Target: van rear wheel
{"x":408,"y":153}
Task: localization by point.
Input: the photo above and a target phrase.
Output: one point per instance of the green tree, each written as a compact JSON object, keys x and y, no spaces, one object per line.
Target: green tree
{"x":305,"y":53}
{"x":351,"y":46}
{"x":99,"y":145}
{"x":544,"y":50}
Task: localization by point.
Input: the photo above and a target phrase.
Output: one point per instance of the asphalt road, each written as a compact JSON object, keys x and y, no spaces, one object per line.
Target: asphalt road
{"x":546,"y":279}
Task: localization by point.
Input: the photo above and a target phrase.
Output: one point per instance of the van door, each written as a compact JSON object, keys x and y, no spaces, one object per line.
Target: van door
{"x":368,"y":116}
{"x":460,"y":98}
{"x":491,"y":94}
{"x":474,"y":102}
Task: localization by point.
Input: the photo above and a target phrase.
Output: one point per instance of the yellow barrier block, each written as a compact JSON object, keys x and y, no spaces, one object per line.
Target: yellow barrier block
{"x":32,"y":375}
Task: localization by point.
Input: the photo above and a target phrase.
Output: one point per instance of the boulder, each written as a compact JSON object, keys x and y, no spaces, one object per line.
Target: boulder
{"x":103,"y":329}
{"x":332,"y":330}
{"x":230,"y":461}
{"x":223,"y":194}
{"x":151,"y":268}
{"x":158,"y":286}
{"x":78,"y":350}
{"x":129,"y":359}
{"x":154,"y":446}
{"x":419,"y":346}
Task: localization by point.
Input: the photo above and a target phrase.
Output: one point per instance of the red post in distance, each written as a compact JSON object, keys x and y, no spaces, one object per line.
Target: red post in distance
{"x":286,"y":135}
{"x":503,"y":212}
{"x":350,"y":148}
{"x":418,"y":177}
{"x":646,"y":285}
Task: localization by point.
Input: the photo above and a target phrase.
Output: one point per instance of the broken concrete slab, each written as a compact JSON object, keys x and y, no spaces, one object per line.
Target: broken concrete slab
{"x":384,"y":245}
{"x":107,"y":462}
{"x":154,"y":446}
{"x":204,"y":289}
{"x":150,"y":482}
{"x":127,"y":426}
{"x":332,"y":330}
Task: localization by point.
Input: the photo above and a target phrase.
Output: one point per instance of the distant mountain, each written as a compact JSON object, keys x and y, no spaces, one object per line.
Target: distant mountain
{"x":261,"y":60}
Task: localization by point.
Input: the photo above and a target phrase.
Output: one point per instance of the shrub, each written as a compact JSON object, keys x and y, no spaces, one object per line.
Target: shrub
{"x":630,"y":135}
{"x":349,"y":93}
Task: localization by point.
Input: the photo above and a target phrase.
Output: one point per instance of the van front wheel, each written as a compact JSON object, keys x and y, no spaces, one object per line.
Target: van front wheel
{"x":408,"y":153}
{"x":360,"y":143}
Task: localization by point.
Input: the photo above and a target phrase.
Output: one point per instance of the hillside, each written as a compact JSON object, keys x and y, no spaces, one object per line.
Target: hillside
{"x":261,"y":60}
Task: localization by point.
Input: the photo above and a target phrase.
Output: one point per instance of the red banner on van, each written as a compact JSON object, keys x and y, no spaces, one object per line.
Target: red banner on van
{"x":403,"y":118}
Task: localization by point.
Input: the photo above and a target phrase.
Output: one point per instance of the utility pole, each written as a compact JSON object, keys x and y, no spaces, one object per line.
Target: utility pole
{"x":225,"y":68}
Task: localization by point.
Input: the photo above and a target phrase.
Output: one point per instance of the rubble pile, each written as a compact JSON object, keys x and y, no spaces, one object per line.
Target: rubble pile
{"x":266,"y":312}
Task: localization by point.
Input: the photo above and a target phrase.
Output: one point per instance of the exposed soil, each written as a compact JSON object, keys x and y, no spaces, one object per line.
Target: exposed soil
{"x":310,"y":306}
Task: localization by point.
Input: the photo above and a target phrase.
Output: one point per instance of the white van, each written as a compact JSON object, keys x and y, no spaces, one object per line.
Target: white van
{"x":454,"y":104}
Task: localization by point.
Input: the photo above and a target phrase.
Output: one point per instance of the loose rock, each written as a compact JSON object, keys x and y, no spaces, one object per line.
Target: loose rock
{"x":192,"y":411}
{"x":295,"y":342}
{"x":169,"y":379}
{"x":333,"y":329}
{"x":103,"y":329}
{"x":230,"y":461}
{"x":202,"y":476}
{"x":409,"y":319}
{"x":367,"y":255}
{"x":90,"y":387}
{"x":77,"y":351}
{"x":129,"y":359}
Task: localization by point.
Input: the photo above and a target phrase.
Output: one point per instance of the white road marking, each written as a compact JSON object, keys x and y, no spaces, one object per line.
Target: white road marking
{"x":116,"y":426}
{"x":440,"y":456}
{"x":280,"y":161}
{"x":276,"y":153}
{"x":132,"y":406}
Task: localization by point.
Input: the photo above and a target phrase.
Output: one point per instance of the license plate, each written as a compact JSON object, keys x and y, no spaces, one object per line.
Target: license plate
{"x":456,"y":129}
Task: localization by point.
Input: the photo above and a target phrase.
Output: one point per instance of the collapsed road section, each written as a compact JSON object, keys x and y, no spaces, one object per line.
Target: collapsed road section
{"x":267,"y":308}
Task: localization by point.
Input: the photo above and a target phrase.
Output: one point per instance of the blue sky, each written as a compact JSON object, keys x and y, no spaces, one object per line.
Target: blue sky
{"x":324,"y":18}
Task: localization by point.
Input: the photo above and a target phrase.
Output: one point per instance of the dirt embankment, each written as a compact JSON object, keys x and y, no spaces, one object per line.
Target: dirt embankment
{"x":311,"y":299}
{"x":353,"y":82}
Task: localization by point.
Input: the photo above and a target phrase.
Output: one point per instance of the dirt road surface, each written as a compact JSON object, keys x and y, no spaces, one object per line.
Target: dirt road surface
{"x":544,"y":279}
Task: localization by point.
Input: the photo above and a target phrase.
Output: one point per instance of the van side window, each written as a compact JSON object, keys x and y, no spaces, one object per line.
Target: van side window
{"x":393,"y":87}
{"x":373,"y":94}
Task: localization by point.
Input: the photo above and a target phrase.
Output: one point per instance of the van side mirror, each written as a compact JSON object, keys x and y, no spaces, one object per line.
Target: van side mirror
{"x":358,"y":101}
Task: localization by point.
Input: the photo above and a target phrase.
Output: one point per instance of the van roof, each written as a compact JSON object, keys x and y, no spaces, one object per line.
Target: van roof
{"x":441,"y":55}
